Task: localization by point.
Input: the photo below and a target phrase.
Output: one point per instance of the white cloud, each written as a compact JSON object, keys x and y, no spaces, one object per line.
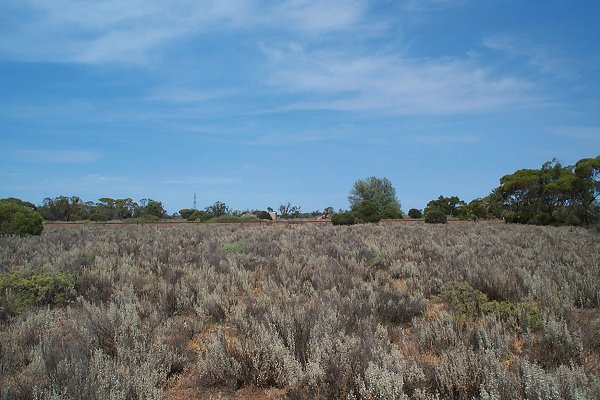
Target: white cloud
{"x":394,"y":84}
{"x":129,"y":31}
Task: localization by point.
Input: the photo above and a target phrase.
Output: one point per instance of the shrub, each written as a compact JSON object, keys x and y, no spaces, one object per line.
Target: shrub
{"x":262,"y":215}
{"x":20,"y":290}
{"x":415,"y":213}
{"x":186,"y":213}
{"x":98,"y":218}
{"x":541,"y":218}
{"x":234,"y":247}
{"x":435,"y":216}
{"x":18,"y":219}
{"x":366,"y":211}
{"x":199,"y":216}
{"x":391,"y":212}
{"x":344,"y":218}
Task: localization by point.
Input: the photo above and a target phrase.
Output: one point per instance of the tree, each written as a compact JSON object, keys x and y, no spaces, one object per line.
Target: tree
{"x":218,"y":209}
{"x":375,"y":197}
{"x":18,"y":218}
{"x":328,"y":211}
{"x":448,"y":205}
{"x":415,"y":213}
{"x":152,"y":208}
{"x":288,"y":210}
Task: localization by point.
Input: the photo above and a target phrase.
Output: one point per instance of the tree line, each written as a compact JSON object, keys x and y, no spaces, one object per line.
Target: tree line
{"x":551,"y":195}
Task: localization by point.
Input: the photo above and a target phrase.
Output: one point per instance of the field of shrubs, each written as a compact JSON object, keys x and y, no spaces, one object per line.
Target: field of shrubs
{"x":466,"y":311}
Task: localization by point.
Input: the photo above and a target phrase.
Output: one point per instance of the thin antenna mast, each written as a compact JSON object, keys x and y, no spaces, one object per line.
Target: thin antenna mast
{"x":195,"y":201}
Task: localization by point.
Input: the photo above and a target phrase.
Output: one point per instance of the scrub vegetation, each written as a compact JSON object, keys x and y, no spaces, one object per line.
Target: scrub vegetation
{"x":466,"y":311}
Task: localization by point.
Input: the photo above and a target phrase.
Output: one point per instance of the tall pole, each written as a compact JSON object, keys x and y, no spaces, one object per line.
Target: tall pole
{"x":194,"y":201}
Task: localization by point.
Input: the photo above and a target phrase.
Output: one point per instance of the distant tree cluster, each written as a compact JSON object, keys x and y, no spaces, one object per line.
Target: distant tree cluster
{"x":63,"y":208}
{"x":554,"y":194}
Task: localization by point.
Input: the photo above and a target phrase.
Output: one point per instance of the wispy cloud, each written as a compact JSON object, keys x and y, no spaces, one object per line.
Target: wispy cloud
{"x":128,"y":31}
{"x":543,"y":59}
{"x":56,"y":156}
{"x":394,"y":84}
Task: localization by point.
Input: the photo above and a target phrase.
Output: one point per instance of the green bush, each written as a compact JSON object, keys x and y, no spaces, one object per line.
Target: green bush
{"x":366,"y":211}
{"x":142,"y":219}
{"x":235,"y":247}
{"x":541,"y":218}
{"x":224,"y":219}
{"x":391,"y":212}
{"x":98,"y":218}
{"x":199,"y":216}
{"x":262,"y":215}
{"x":248,"y":217}
{"x":186,"y":213}
{"x":469,"y":304}
{"x":344,"y":218}
{"x":415,"y":213}
{"x":435,"y":216}
{"x":18,"y":219}
{"x":20,"y":290}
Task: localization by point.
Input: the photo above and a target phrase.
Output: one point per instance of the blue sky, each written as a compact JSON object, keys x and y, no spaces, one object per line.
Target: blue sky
{"x":257,"y":103}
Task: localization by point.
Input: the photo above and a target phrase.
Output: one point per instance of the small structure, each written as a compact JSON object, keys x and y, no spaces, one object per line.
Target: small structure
{"x":273,"y":215}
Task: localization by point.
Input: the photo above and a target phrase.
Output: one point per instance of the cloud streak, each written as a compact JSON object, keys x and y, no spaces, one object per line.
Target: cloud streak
{"x":394,"y":84}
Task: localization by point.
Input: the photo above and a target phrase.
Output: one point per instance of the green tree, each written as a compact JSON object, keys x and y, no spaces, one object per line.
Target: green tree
{"x":374,"y":198}
{"x":415,"y":213}
{"x":218,"y":209}
{"x":152,"y":208}
{"x":62,"y":208}
{"x":448,"y":205}
{"x":17,"y":218}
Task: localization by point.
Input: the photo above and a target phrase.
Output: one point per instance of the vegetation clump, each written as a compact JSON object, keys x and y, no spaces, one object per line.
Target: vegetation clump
{"x":19,"y":218}
{"x":435,"y":216}
{"x":22,"y":290}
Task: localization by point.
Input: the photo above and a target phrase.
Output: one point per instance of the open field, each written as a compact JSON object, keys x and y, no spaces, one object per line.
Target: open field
{"x":405,"y":311}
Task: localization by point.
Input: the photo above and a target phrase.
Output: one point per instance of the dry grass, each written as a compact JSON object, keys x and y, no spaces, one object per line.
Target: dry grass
{"x":306,"y":312}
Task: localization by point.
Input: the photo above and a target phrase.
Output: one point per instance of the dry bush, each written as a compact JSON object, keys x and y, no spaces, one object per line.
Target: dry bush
{"x":318,"y":312}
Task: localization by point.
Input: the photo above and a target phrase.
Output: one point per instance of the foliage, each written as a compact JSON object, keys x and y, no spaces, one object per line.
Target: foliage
{"x":199,"y":216}
{"x":151,"y":208}
{"x":98,"y":218}
{"x":415,"y":213}
{"x":372,"y":198}
{"x":262,"y":215}
{"x":365,"y":211}
{"x":553,"y":194}
{"x":186,"y":213}
{"x":19,"y":218}
{"x":435,"y":216}
{"x":218,"y":209}
{"x":21,"y":290}
{"x":237,"y":246}
{"x":448,"y":205}
{"x":344,"y":218}
{"x":469,"y":303}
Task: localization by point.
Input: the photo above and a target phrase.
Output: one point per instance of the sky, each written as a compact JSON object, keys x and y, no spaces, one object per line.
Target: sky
{"x":259,"y":103}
